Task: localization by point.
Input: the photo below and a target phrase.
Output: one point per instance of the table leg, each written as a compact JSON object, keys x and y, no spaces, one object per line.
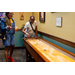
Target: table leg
{"x":26,"y":55}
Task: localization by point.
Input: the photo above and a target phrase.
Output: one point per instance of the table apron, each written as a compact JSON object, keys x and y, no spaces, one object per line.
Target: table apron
{"x":34,"y":54}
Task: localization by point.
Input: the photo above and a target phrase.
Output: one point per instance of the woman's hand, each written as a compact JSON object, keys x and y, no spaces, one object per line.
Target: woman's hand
{"x":36,"y":37}
{"x":9,"y":27}
{"x":25,"y":32}
{"x":27,"y":35}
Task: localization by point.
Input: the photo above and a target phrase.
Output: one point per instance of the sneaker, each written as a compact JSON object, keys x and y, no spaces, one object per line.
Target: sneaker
{"x":11,"y":59}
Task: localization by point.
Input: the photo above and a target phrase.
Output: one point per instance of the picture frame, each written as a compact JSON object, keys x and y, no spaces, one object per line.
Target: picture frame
{"x":58,"y":21}
{"x":42,"y":16}
{"x":21,"y":15}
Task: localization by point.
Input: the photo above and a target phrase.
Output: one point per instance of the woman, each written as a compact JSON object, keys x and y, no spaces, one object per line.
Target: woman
{"x":8,"y":29}
{"x":29,"y":28}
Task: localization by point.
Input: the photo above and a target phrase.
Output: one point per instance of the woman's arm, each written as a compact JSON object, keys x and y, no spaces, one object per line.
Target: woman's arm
{"x":25,"y":32}
{"x":3,"y":26}
{"x":36,"y":30}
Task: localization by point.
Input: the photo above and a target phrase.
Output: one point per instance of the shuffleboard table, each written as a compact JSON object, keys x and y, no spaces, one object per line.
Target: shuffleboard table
{"x":42,"y":51}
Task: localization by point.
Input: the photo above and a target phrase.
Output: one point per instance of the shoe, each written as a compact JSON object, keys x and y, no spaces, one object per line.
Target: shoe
{"x":11,"y":59}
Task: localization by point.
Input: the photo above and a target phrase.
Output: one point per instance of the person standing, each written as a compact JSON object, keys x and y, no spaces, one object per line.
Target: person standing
{"x":29,"y":28}
{"x":8,"y":29}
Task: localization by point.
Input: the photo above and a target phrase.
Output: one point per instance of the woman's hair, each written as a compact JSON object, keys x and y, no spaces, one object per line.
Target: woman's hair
{"x":6,"y":13}
{"x":32,"y":16}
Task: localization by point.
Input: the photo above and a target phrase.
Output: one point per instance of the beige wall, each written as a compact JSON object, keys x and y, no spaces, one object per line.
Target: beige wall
{"x":19,"y":22}
{"x":67,"y":31}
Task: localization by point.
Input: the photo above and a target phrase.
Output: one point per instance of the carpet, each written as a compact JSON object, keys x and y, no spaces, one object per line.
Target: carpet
{"x":19,"y":55}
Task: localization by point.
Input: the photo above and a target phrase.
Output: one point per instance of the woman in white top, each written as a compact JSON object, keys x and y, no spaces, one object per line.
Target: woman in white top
{"x":29,"y":28}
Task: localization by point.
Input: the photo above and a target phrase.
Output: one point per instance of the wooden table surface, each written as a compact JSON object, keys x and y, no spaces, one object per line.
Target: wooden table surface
{"x":47,"y":52}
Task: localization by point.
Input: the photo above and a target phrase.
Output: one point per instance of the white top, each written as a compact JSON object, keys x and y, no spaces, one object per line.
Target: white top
{"x":29,"y":28}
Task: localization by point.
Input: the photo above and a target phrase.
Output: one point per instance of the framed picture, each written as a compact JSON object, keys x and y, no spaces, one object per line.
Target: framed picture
{"x":21,"y":15}
{"x":59,"y":21}
{"x":42,"y":16}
